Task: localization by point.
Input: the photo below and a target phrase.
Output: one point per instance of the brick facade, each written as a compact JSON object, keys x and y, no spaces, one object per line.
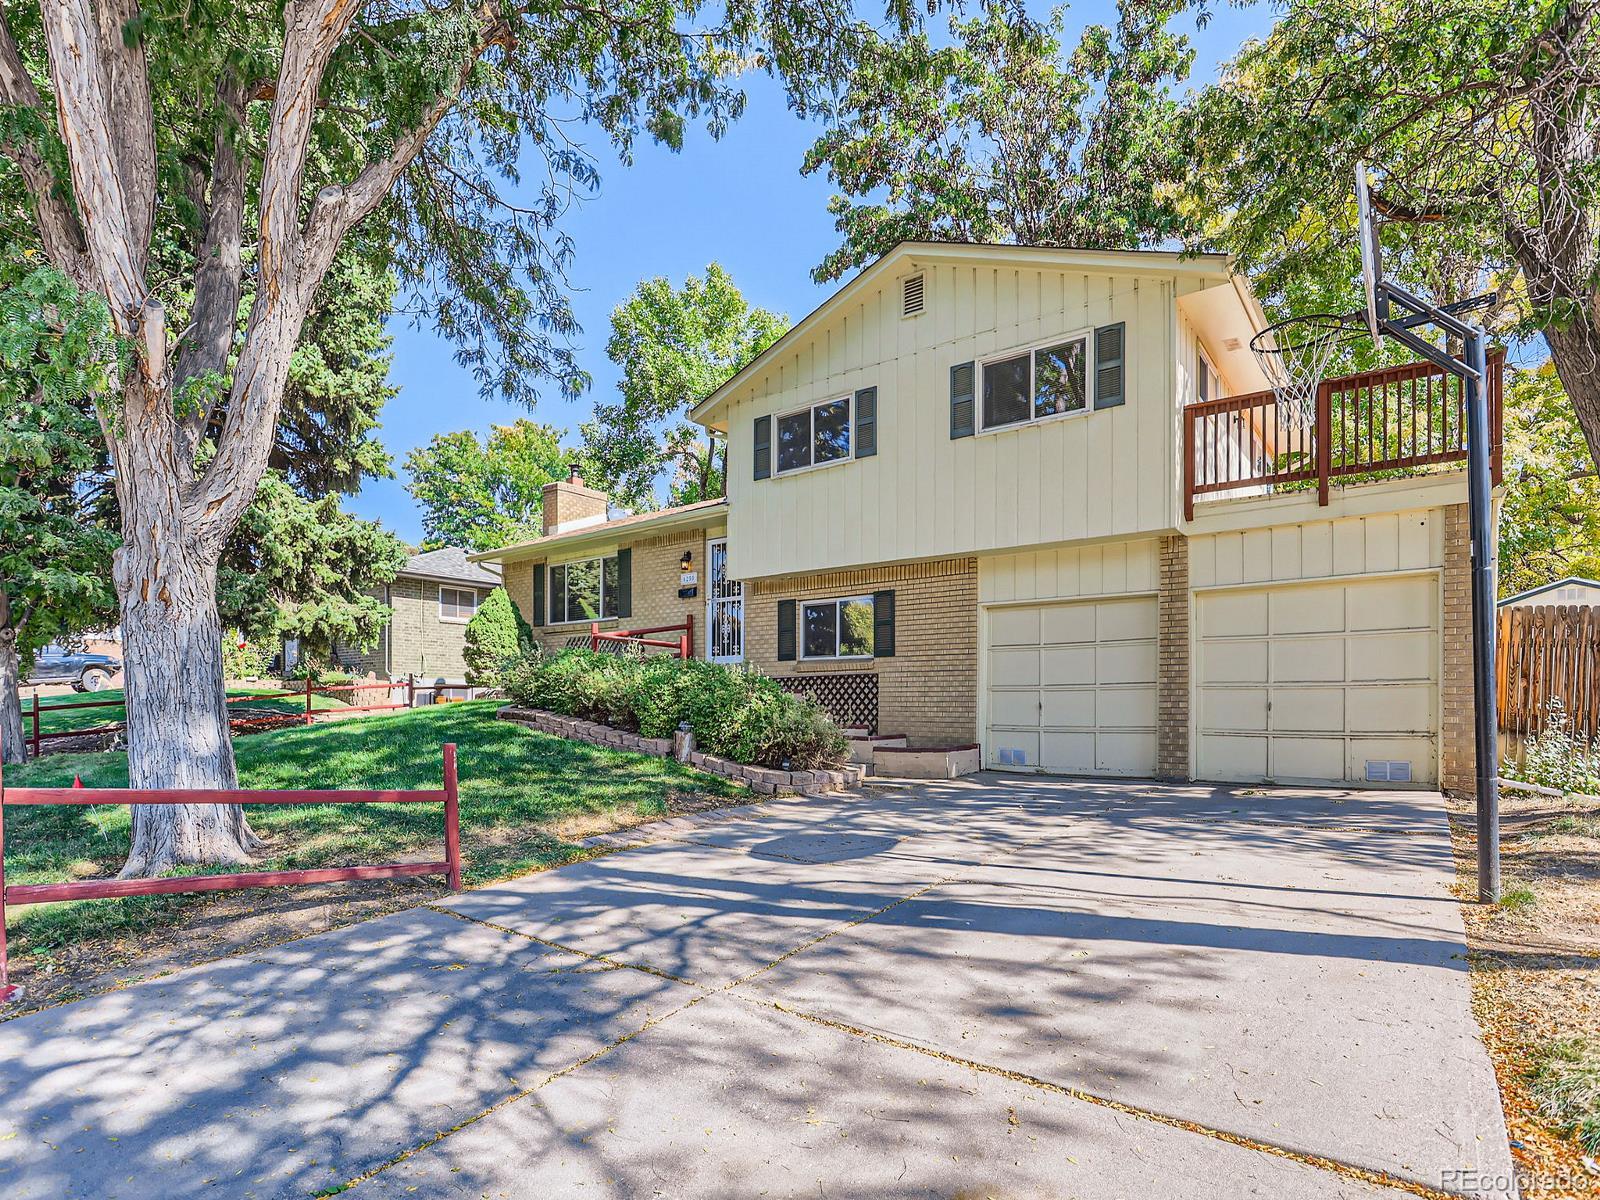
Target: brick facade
{"x":929,"y":689}
{"x":1172,"y":671}
{"x":656,"y":571}
{"x":1458,"y":751}
{"x":567,"y":500}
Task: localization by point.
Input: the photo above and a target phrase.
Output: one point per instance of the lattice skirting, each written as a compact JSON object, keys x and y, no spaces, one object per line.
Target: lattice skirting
{"x":850,"y":698}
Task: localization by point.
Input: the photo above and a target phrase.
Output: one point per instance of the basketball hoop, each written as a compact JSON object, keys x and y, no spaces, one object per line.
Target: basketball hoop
{"x":1295,"y":355}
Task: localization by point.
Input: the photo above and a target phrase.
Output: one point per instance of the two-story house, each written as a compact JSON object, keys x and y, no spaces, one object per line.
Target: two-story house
{"x":1040,"y":500}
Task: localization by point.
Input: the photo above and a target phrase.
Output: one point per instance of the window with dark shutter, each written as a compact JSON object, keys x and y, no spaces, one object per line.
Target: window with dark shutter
{"x":786,"y":646}
{"x":1110,"y":378}
{"x":763,"y":448}
{"x":883,"y":624}
{"x":866,"y":422}
{"x":625,"y":582}
{"x":539,"y":609}
{"x":961,"y":405}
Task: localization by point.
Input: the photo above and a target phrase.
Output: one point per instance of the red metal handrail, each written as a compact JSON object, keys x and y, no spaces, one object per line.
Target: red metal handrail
{"x":683,"y":643}
{"x":1404,"y":418}
{"x":99,"y":889}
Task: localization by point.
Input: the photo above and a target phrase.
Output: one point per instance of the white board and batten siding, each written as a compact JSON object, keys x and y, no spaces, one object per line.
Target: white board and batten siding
{"x":1317,"y":651}
{"x":1100,"y":474}
{"x":1068,"y":660}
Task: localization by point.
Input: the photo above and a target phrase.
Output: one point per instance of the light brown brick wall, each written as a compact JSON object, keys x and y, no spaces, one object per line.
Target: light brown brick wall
{"x":929,"y":689}
{"x":568,"y":500}
{"x":656,"y":568}
{"x":422,"y":643}
{"x":1172,"y":677}
{"x":1458,"y":753}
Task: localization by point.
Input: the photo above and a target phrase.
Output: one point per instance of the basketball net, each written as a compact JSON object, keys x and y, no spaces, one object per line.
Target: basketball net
{"x":1295,"y":354}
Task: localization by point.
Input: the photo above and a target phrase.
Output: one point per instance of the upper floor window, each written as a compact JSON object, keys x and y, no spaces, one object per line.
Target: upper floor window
{"x":1046,"y":381}
{"x":814,"y":436}
{"x":457,"y":604}
{"x":587,"y":590}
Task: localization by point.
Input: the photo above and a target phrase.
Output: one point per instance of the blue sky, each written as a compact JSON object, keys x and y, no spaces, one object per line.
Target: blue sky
{"x":740,"y":201}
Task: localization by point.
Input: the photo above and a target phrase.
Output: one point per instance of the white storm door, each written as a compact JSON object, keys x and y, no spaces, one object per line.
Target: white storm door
{"x":724,"y":607}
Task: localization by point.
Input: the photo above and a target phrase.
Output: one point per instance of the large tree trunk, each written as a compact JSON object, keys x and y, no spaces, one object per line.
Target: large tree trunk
{"x":13,"y":746}
{"x":178,"y":736}
{"x":1575,"y":351}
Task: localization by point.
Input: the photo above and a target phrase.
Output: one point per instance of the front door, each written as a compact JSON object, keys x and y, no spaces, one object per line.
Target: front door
{"x":724,"y":607}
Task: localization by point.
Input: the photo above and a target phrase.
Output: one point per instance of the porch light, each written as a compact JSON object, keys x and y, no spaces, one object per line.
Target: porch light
{"x":686,"y":561}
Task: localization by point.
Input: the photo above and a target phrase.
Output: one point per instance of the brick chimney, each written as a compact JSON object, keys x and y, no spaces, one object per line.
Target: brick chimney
{"x":568,"y":505}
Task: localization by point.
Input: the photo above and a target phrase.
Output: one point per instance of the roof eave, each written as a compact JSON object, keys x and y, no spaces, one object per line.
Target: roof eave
{"x":541,"y":547}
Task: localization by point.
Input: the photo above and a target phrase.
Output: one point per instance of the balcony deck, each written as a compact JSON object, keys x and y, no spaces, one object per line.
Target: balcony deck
{"x":1382,"y":424}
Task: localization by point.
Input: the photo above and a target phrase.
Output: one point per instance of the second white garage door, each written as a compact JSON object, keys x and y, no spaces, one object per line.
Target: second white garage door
{"x":1072,"y":687}
{"x":1319,"y":682}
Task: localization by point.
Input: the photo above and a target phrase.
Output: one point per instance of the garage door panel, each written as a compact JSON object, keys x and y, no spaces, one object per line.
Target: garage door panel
{"x":1125,"y":662}
{"x":1125,"y":620}
{"x":1066,"y":665}
{"x":1014,"y":708}
{"x":1235,"y":662}
{"x":1125,"y":753}
{"x":1021,"y":743}
{"x":1014,"y":627}
{"x":1296,"y":757}
{"x":1014,"y":668}
{"x":1308,"y":660}
{"x":1395,"y":709}
{"x":1234,"y":614}
{"x":1308,"y":610}
{"x":1067,"y":753}
{"x":1232,"y":756}
{"x":1349,"y":673}
{"x":1235,"y":709}
{"x":1394,"y":604}
{"x":1067,"y":625}
{"x":1308,"y":710}
{"x":1126,"y":707}
{"x":1073,"y":709}
{"x":1392,"y":656}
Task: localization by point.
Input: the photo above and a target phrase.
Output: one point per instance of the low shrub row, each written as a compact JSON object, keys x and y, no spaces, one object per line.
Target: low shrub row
{"x":734,"y":713}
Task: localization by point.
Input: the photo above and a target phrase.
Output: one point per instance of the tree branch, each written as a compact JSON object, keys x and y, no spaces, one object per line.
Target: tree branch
{"x":127,"y":90}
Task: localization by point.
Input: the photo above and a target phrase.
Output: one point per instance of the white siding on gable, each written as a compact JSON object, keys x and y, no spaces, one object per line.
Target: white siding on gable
{"x":1100,"y":474}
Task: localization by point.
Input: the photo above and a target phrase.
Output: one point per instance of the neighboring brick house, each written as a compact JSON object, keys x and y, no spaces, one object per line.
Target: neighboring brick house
{"x":433,"y":597}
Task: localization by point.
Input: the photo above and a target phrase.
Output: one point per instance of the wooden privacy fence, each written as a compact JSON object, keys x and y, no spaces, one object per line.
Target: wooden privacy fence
{"x":1550,"y":651}
{"x":241,"y":719}
{"x":99,"y":889}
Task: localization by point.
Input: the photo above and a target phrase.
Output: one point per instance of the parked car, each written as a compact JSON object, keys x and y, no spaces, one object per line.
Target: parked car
{"x":85,"y":672}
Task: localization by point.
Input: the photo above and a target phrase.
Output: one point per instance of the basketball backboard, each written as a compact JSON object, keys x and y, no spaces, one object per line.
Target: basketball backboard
{"x":1371,"y":252}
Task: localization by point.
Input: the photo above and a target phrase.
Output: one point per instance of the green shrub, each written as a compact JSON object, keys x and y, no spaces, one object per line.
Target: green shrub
{"x":497,"y":638}
{"x":242,"y":659}
{"x":736,"y":714}
{"x":1558,"y":757}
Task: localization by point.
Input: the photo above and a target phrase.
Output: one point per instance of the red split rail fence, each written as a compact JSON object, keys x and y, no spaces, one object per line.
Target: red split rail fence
{"x":14,"y":895}
{"x":1396,"y":420}
{"x":683,"y":644}
{"x":239,"y":722}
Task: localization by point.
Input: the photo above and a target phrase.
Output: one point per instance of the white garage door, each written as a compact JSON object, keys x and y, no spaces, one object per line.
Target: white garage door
{"x":1072,"y":687}
{"x":1320,"y":682}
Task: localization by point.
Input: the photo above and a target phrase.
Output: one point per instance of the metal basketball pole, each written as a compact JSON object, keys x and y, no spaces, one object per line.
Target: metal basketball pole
{"x":1472,"y":369}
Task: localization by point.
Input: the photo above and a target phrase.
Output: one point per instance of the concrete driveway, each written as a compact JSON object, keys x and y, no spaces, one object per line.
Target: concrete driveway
{"x":995,"y":987}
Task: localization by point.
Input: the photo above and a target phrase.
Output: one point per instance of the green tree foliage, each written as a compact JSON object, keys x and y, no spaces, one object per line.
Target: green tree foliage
{"x":56,"y":358}
{"x":1478,"y":117}
{"x":997,"y":137}
{"x":481,"y":494}
{"x":675,"y":346}
{"x":497,"y":639}
{"x":306,"y":569}
{"x":1550,"y":519}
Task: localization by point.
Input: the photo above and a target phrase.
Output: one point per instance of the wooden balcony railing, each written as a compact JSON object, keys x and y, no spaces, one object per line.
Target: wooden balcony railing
{"x":1378,"y":424}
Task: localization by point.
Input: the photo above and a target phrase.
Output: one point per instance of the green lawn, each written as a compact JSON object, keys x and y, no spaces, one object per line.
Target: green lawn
{"x":64,"y":718}
{"x":515,"y":786}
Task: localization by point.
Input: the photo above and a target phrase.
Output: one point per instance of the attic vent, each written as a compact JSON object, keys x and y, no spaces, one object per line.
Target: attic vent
{"x":911,"y":296}
{"x":1231,"y":344}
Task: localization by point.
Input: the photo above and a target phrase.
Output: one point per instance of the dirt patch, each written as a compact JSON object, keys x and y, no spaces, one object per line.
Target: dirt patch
{"x":224,"y":924}
{"x":1535,"y":961}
